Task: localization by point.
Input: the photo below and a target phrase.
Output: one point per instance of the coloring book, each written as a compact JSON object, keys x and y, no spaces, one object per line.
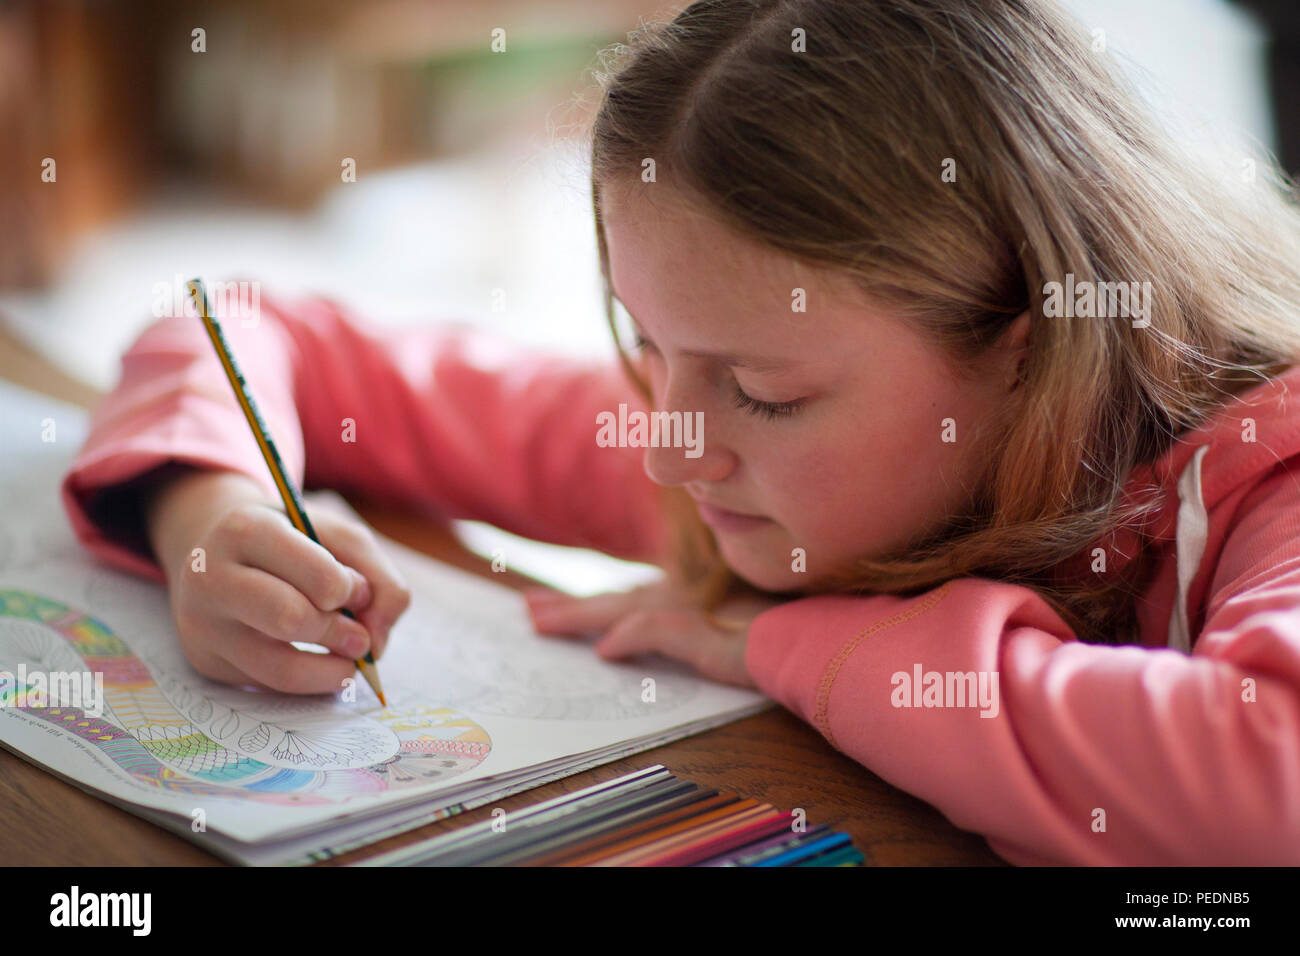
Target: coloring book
{"x":94,"y":688}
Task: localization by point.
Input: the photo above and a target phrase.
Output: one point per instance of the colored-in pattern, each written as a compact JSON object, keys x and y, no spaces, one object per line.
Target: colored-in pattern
{"x":144,"y":733}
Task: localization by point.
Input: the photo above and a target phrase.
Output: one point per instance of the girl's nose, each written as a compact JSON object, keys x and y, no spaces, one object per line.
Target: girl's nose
{"x":670,"y":466}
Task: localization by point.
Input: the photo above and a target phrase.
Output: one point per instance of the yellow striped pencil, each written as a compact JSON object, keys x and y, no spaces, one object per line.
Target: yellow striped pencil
{"x":288,"y":491}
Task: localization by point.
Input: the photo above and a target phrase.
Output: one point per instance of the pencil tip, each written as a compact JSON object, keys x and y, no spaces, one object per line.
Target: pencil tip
{"x":371,"y":673}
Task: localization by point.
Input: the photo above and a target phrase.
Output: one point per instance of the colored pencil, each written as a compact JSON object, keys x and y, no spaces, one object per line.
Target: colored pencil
{"x":763,"y":849}
{"x":435,"y":850}
{"x":831,"y":842}
{"x":646,"y":818}
{"x":518,"y":844}
{"x":614,"y":838}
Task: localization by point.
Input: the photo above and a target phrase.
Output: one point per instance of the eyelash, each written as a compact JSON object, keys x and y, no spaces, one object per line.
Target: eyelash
{"x":768,"y":410}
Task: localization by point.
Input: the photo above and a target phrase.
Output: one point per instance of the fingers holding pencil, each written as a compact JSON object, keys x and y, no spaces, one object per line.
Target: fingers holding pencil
{"x":260,"y":588}
{"x":355,"y":546}
{"x":246,"y":656}
{"x":307,"y":582}
{"x":285,"y":485}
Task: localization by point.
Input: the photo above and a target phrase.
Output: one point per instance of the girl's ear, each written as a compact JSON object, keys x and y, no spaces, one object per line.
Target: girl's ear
{"x":1015,"y":343}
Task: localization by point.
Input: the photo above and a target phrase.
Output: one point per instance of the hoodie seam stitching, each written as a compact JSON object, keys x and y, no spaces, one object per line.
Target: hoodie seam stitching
{"x":832,"y":670}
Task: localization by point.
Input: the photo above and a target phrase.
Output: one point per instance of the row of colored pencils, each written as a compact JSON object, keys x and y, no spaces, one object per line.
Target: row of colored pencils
{"x":647,"y":818}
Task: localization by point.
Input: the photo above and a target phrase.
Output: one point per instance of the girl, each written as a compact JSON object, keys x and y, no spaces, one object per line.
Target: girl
{"x":996,"y":481}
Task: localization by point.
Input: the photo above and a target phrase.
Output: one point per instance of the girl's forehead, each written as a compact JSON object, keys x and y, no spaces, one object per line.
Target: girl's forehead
{"x":655,"y":250}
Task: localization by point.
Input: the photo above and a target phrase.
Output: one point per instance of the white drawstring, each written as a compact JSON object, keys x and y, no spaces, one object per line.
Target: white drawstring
{"x":1193,"y":530}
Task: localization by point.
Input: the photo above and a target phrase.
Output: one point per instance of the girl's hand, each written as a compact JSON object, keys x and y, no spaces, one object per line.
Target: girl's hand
{"x":656,"y":617}
{"x":264,"y":584}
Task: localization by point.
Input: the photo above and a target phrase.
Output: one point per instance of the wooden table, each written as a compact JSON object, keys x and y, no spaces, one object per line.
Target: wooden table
{"x":773,"y":756}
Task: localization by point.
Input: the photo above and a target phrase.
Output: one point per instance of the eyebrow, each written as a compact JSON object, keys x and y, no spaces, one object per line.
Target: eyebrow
{"x":753,"y":363}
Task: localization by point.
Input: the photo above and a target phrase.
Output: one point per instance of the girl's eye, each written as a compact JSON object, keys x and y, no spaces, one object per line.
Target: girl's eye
{"x":768,"y":410}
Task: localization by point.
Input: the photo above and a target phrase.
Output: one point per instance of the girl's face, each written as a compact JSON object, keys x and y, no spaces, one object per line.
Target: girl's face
{"x":823,"y":430}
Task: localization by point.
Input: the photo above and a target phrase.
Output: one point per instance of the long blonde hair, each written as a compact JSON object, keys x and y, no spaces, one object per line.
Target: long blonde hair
{"x":834,"y":154}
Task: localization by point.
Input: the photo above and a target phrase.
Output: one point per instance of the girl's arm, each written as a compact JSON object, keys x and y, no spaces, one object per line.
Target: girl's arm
{"x":1097,"y":754}
{"x":446,"y":419}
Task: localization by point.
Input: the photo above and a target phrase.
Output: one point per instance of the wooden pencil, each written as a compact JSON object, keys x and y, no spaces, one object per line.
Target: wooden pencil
{"x":288,"y":490}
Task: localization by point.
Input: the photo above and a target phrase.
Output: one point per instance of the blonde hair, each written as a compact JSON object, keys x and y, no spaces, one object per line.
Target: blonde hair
{"x":834,"y":156}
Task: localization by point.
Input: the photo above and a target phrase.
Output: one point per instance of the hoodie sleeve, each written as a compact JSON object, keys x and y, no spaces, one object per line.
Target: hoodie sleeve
{"x":1086,"y":754}
{"x":446,"y":419}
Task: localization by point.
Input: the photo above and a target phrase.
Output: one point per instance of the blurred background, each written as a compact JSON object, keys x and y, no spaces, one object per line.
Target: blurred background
{"x":210,"y":138}
{"x":223,"y":154}
{"x":148,"y":141}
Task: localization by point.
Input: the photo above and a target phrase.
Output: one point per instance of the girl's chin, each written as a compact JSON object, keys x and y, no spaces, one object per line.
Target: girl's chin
{"x":767,"y":573}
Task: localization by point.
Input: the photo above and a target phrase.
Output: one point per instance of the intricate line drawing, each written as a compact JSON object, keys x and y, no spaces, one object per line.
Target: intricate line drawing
{"x":482,"y":672}
{"x":156,"y":743}
{"x":257,"y":738}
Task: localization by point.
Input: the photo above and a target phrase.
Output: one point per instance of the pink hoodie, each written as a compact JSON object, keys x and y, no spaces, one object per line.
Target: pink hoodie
{"x":1185,"y":750}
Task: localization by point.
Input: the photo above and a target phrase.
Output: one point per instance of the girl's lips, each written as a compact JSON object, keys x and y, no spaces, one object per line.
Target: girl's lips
{"x":723,"y":520}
